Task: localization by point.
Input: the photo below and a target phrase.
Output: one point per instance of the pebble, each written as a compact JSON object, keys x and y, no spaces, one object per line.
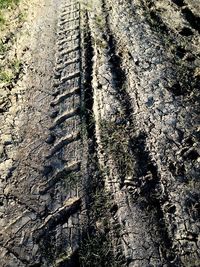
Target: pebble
{"x":1,"y":151}
{"x":6,"y":139}
{"x":51,"y":139}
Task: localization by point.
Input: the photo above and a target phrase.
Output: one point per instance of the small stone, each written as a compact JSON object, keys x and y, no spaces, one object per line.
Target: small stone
{"x":51,"y":139}
{"x":7,"y":139}
{"x":5,"y":167}
{"x":1,"y":151}
{"x":57,"y":74}
{"x":150,"y":101}
{"x":54,"y":114}
{"x":136,"y":61}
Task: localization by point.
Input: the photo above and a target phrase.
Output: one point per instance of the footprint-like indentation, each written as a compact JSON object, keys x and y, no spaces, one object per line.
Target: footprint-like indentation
{"x":63,"y":142}
{"x":64,"y":96}
{"x":186,"y":31}
{"x":60,"y":174}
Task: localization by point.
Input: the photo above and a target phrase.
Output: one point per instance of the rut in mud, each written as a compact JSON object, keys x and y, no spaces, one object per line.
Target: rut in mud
{"x":103,"y":169}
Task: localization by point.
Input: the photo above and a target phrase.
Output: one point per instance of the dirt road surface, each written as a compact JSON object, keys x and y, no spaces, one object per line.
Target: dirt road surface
{"x":99,"y":136}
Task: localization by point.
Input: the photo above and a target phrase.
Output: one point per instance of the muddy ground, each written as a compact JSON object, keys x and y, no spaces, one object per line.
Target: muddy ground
{"x":99,"y":134}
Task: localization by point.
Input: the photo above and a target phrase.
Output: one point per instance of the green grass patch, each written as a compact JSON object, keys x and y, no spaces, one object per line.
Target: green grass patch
{"x":116,"y":140}
{"x":2,"y":19}
{"x":5,"y":4}
{"x":6,"y":77}
{"x":8,"y":3}
{"x":16,"y":65}
{"x":97,"y":251}
{"x":3,"y":48}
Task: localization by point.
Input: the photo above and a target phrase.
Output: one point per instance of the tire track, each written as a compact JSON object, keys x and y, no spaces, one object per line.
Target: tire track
{"x":122,"y":150}
{"x":67,"y":78}
{"x":65,"y":128}
{"x":58,"y":178}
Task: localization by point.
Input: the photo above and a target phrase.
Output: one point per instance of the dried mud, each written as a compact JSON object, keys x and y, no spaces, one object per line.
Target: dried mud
{"x":99,"y":136}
